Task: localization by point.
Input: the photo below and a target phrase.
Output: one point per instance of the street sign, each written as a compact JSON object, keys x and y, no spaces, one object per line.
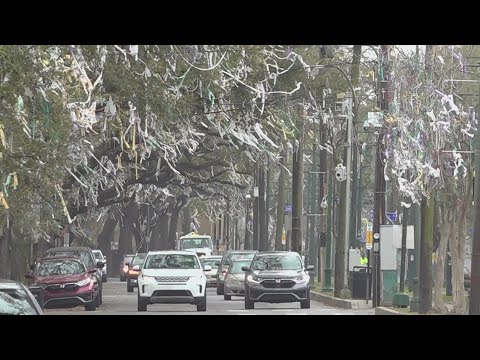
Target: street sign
{"x":284,"y":236}
{"x":255,"y":191}
{"x":392,"y":216}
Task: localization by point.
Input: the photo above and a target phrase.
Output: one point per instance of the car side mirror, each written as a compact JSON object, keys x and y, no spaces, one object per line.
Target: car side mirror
{"x":218,"y":263}
{"x":245,"y":268}
{"x":207,"y":268}
{"x":137,"y":268}
{"x":92,"y":271}
{"x":100,"y":264}
{"x":309,"y":268}
{"x":29,"y":276}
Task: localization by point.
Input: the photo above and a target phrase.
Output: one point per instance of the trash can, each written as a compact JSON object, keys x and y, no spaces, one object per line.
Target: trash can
{"x":359,"y":281}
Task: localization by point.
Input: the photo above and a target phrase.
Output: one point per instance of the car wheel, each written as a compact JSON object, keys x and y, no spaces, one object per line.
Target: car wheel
{"x":220,"y":289}
{"x":249,"y":304}
{"x":104,"y":278}
{"x":202,"y":304}
{"x":227,"y":297}
{"x":305,"y":304}
{"x":129,"y":288}
{"x":91,"y":306}
{"x":141,"y":303}
{"x":100,"y":297}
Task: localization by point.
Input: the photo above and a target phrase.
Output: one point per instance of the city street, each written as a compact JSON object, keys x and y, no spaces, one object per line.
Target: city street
{"x":116,"y":301}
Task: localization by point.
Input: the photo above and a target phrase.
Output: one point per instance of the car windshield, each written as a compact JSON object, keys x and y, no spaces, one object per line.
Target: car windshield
{"x":59,"y":267}
{"x":98,"y":255}
{"x":84,"y":256}
{"x":236,"y":267}
{"x":16,"y":302}
{"x":234,"y":256}
{"x":138,"y":259}
{"x":171,"y":261}
{"x":210,"y":262}
{"x":195,"y":243}
{"x":277,"y":262}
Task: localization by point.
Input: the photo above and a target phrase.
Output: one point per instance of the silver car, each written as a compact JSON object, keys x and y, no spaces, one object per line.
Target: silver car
{"x":235,"y":279}
{"x":212,"y":274}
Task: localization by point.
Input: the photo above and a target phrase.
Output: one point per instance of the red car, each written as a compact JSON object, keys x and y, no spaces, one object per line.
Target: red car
{"x":66,"y":282}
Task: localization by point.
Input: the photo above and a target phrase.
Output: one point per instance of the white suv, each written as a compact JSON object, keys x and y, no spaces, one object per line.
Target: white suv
{"x":172,"y":277}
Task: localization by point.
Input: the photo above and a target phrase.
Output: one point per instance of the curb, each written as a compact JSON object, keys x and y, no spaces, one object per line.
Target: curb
{"x":380,"y":310}
{"x":330,"y":300}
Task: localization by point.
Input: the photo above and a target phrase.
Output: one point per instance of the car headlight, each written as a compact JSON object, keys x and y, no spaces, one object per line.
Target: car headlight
{"x":84,"y":282}
{"x":253,"y":278}
{"x":148,"y":279}
{"x":301,"y":279}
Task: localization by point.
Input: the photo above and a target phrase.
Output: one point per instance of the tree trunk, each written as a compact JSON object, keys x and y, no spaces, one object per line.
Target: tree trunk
{"x":160,"y":236}
{"x":447,"y":231}
{"x":280,"y":204}
{"x":297,"y":187}
{"x":425,"y":276}
{"x":130,"y":215}
{"x":5,"y":255}
{"x":172,"y":229}
{"x":105,"y":239}
{"x":186,"y":220}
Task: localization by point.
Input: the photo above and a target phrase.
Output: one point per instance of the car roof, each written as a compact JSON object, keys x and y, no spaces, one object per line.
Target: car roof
{"x":68,"y":248}
{"x":241,"y":251}
{"x":52,"y":258}
{"x":10,"y":284}
{"x":278,"y":253}
{"x":183,"y":252}
{"x":96,"y":250}
{"x":212,"y":257}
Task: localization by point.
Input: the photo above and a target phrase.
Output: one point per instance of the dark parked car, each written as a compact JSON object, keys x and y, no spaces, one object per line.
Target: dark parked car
{"x":66,"y":283}
{"x":277,"y":277}
{"x":127,"y":259}
{"x":86,"y":256}
{"x":16,"y":299}
{"x":132,"y":274}
{"x":225,"y":263}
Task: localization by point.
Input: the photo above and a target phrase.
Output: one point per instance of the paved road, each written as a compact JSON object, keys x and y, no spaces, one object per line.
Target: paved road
{"x":116,"y":301}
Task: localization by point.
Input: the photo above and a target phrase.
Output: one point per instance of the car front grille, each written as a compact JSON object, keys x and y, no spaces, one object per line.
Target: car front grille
{"x":172,"y":293}
{"x":274,"y":284}
{"x":62,"y":287}
{"x":169,"y":279}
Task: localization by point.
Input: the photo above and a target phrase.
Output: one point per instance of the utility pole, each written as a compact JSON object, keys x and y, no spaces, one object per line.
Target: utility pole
{"x":355,"y":207}
{"x":297,"y":186}
{"x":325,"y":213}
{"x":266,"y":242}
{"x":380,"y":185}
{"x":312,"y":248}
{"x":261,"y":206}
{"x":348,"y":194}
{"x":474,"y":305}
{"x":328,"y":262}
{"x":247,"y":244}
{"x":255,"y":210}
{"x":281,"y":202}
